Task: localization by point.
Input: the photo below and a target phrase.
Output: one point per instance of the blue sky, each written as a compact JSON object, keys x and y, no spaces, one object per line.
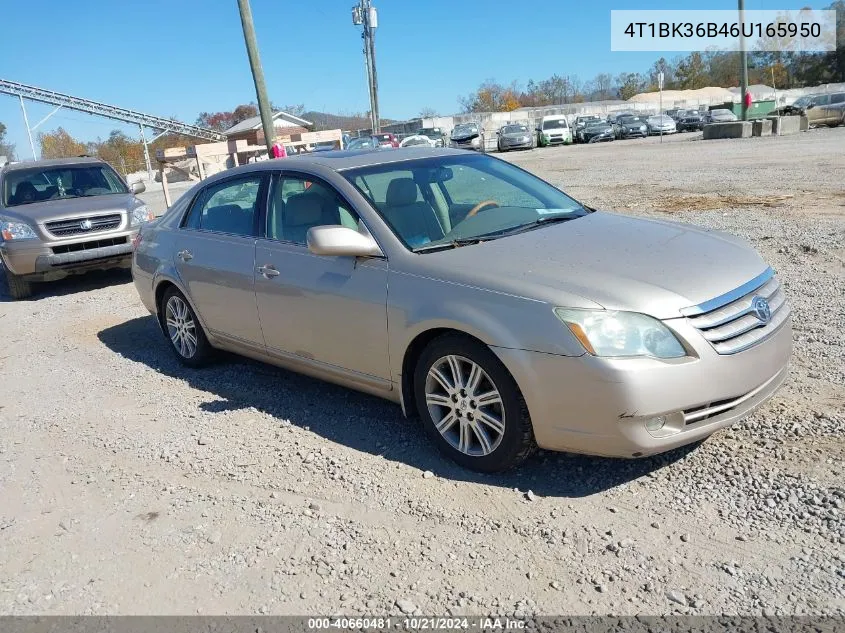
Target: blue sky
{"x":178,"y":58}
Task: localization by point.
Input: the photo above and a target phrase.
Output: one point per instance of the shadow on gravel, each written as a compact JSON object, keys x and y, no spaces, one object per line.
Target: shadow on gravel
{"x":364,"y":422}
{"x":94,"y":280}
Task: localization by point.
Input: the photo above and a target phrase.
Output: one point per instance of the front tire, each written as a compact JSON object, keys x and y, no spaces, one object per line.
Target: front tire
{"x":471,"y":406}
{"x":17,"y":287}
{"x":184,"y":332}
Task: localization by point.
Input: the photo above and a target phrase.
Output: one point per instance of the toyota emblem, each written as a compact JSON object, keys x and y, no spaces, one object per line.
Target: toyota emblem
{"x":761,"y":309}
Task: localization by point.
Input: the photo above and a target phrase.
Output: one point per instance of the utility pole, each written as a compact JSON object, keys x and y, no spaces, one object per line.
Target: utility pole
{"x":743,"y":58}
{"x":365,"y":15}
{"x":257,"y":75}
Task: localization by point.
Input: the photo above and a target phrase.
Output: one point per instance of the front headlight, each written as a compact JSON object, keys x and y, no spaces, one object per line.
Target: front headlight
{"x":141,"y":214}
{"x":16,"y":231}
{"x":620,"y":334}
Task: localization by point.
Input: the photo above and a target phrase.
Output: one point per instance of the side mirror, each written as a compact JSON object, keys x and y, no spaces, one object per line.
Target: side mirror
{"x":810,"y":106}
{"x":340,"y":241}
{"x":137,"y":187}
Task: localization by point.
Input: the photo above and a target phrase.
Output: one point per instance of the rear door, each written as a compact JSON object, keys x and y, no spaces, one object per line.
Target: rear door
{"x":215,"y":257}
{"x":833,"y":110}
{"x":325,"y":311}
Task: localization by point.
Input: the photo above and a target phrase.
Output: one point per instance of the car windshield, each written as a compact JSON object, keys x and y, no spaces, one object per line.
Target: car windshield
{"x":722,"y":112}
{"x":38,"y":184}
{"x":803,"y":102}
{"x":597,"y":124}
{"x":630,"y":119}
{"x":514,"y":129}
{"x":430,"y":132}
{"x":359,"y":143}
{"x":465,"y":128}
{"x":448,"y":201}
{"x":553,"y":124}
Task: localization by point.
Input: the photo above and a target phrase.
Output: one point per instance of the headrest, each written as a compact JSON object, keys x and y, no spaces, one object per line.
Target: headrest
{"x":25,"y":191}
{"x":303,"y":210}
{"x":401,"y":192}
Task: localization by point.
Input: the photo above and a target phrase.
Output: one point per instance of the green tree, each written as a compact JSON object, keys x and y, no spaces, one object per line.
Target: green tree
{"x":691,"y":73}
{"x":629,"y":84}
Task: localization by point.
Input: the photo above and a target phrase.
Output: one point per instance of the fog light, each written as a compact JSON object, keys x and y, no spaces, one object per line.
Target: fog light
{"x":655,"y":424}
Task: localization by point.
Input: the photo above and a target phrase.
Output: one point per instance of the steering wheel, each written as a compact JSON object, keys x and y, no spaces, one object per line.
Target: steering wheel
{"x":480,"y":206}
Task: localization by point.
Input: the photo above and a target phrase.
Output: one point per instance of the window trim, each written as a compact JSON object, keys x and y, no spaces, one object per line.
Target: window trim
{"x":260,"y":201}
{"x":277,"y":176}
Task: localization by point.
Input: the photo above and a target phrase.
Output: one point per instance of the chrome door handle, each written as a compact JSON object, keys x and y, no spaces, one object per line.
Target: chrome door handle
{"x":268,"y":271}
{"x":184,"y":255}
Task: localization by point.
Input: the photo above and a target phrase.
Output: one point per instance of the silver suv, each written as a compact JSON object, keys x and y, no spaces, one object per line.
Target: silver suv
{"x":65,"y":216}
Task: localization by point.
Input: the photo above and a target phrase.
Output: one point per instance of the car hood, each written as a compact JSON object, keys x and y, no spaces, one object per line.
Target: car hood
{"x":461,"y":136}
{"x":41,"y":212}
{"x":605,"y":260}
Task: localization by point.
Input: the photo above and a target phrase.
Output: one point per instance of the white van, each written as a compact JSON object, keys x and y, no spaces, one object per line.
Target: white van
{"x":554,"y":130}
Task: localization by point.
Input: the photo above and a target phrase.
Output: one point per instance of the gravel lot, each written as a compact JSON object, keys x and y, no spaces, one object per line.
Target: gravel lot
{"x":130,"y":485}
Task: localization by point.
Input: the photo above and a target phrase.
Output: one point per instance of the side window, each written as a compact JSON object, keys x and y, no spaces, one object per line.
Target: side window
{"x":839,"y":97}
{"x":298,"y":204}
{"x":227,"y":207}
{"x":822,"y":100}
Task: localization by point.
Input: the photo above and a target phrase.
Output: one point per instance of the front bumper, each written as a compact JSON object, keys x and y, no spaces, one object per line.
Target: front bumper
{"x":600,"y":406}
{"x":506,"y":145}
{"x":47,"y":260}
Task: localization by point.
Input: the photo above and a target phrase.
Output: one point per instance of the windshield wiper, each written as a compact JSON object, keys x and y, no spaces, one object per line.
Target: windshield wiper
{"x":466,"y":241}
{"x":551,"y":219}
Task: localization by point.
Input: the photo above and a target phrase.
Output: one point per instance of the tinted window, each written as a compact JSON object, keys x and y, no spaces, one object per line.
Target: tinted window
{"x":298,"y":204}
{"x":553,"y":124}
{"x":838,"y":98}
{"x":227,"y":207}
{"x":822,"y":100}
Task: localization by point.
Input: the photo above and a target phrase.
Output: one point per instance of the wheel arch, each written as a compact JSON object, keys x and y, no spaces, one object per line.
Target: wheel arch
{"x":411,"y":357}
{"x":161,"y":286}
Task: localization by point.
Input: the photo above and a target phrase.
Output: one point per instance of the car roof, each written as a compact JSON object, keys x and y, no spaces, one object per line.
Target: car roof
{"x":52,"y":162}
{"x":341,"y":160}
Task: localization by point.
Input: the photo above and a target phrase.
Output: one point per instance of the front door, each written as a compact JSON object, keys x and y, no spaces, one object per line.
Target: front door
{"x":331,"y":311}
{"x":215,"y":257}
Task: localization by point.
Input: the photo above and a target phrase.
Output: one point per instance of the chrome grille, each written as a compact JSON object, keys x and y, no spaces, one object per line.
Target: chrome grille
{"x":79,"y":226}
{"x":735,"y":326}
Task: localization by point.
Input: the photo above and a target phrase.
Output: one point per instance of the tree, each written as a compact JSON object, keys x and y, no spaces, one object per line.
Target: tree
{"x":428,"y":113}
{"x":601,"y":84}
{"x":6,"y":149}
{"x":222,"y":121}
{"x":60,"y":144}
{"x":691,"y":73}
{"x":629,"y":84}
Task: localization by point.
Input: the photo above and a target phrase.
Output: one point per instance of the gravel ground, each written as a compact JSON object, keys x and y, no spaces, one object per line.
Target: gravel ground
{"x":130,"y":485}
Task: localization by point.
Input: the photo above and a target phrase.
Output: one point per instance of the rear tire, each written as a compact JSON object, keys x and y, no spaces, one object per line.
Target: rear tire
{"x":471,"y":406}
{"x":17,"y":287}
{"x":183,"y":330}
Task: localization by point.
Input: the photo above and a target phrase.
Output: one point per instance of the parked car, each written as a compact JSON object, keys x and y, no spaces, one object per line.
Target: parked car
{"x":63,"y":217}
{"x":362,"y":142}
{"x":581,"y":122}
{"x":417,"y":140}
{"x":661,"y":124}
{"x":435,"y":134}
{"x":385,"y":139}
{"x":690,"y":123}
{"x":466,"y":136}
{"x":631,"y":127}
{"x":514,"y":136}
{"x":554,"y":130}
{"x":820,"y":109}
{"x":674,"y":113}
{"x":516,"y":317}
{"x":720,"y":115}
{"x":598,"y":132}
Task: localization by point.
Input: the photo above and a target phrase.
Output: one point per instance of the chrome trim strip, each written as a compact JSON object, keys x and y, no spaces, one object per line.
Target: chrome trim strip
{"x":728,"y":297}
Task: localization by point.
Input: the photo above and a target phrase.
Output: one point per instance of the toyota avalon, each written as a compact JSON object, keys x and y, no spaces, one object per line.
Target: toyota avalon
{"x":501,"y":311}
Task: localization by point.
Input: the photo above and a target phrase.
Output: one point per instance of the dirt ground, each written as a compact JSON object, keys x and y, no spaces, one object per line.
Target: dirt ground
{"x":131,"y":485}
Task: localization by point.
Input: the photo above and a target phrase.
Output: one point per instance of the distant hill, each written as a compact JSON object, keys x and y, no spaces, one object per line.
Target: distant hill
{"x":328,"y":121}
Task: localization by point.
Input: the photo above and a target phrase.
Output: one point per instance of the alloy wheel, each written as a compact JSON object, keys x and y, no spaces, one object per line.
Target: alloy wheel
{"x":465,"y":405}
{"x":181,"y":327}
